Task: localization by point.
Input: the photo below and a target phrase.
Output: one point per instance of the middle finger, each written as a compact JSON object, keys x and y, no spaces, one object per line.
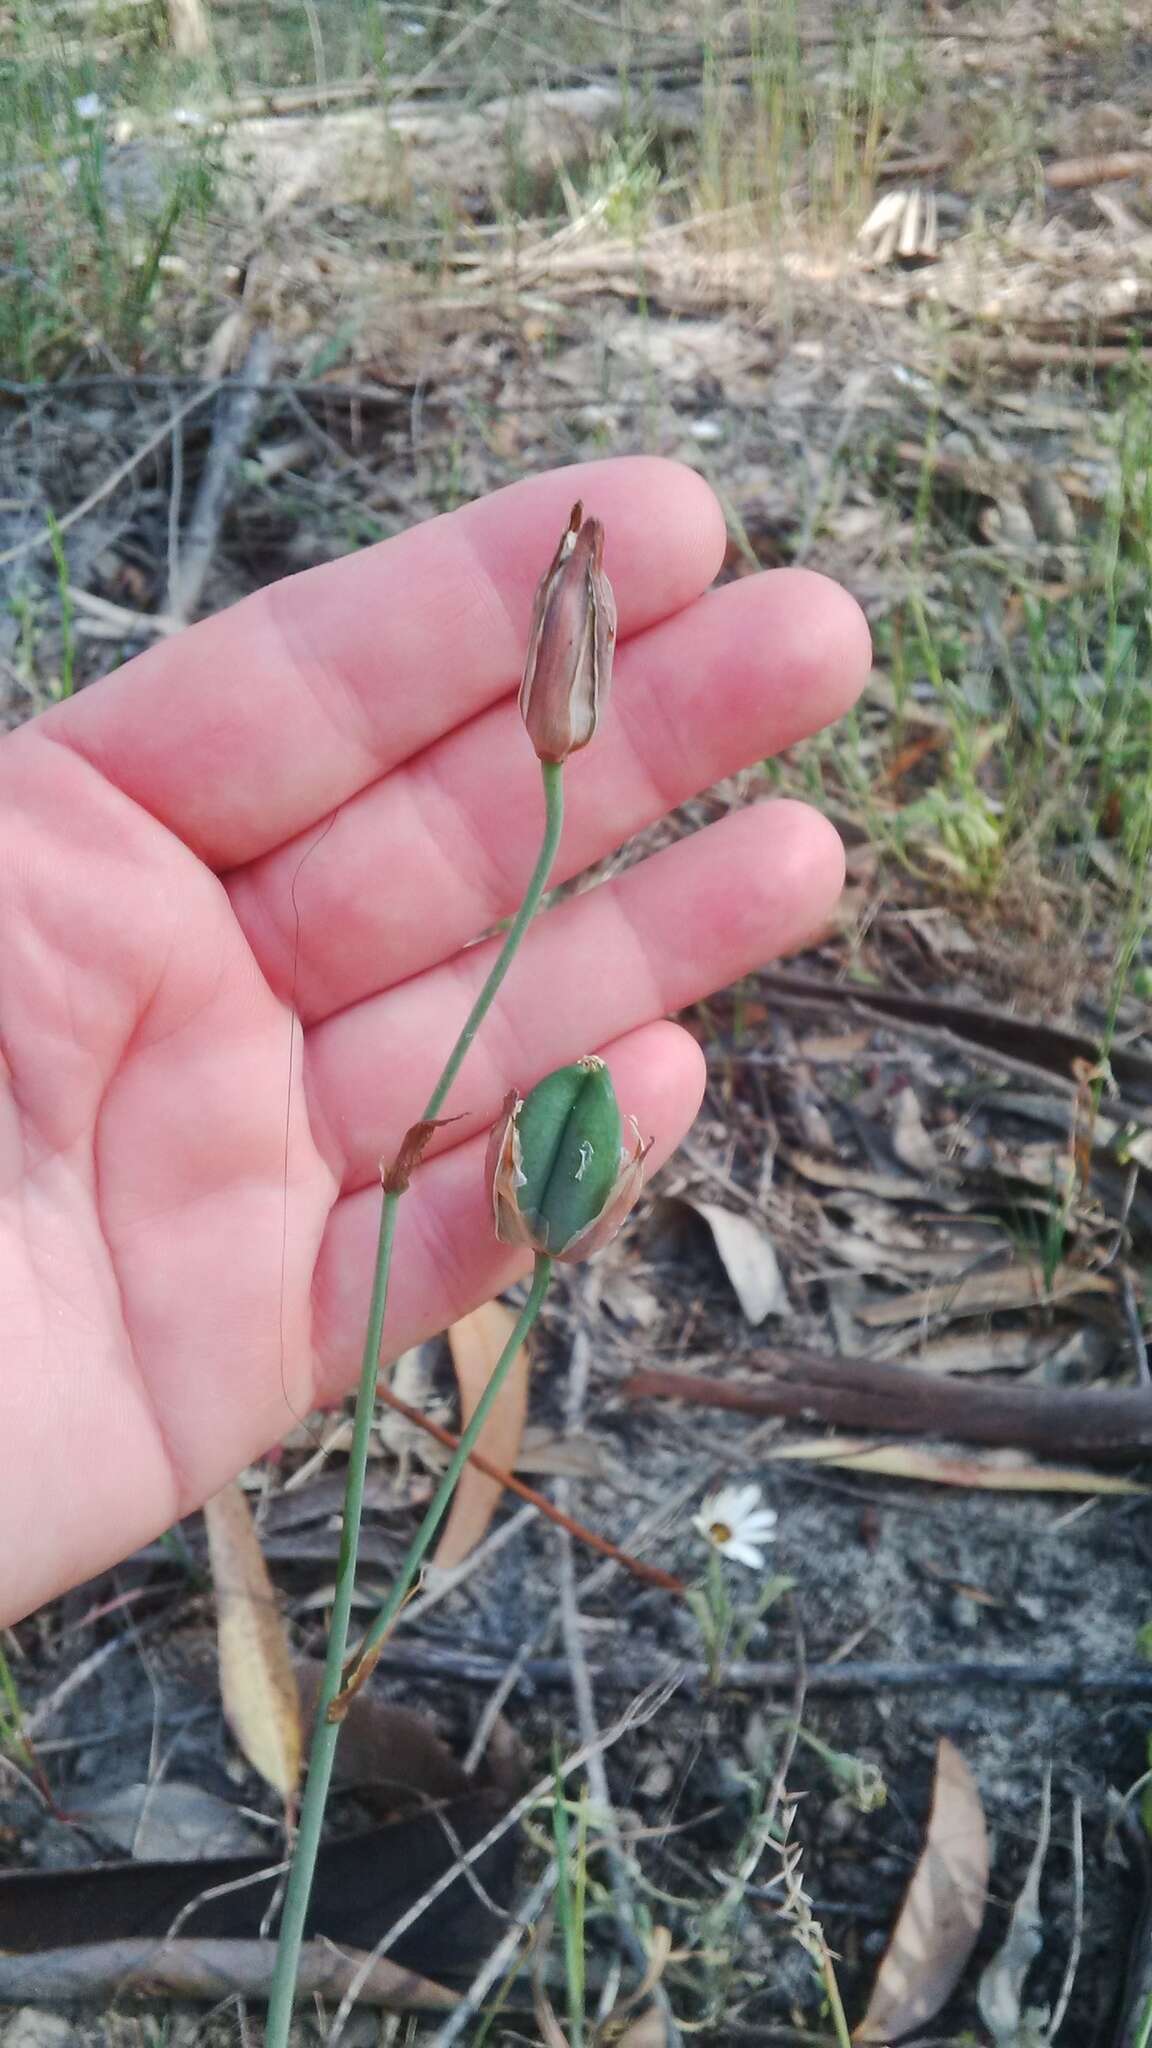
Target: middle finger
{"x":689,"y":920}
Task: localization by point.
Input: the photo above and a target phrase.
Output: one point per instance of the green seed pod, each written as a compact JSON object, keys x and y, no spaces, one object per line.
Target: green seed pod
{"x":569,"y":1131}
{"x":561,"y":1179}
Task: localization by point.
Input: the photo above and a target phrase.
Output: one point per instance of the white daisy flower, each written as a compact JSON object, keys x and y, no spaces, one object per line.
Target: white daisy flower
{"x":734,"y":1523}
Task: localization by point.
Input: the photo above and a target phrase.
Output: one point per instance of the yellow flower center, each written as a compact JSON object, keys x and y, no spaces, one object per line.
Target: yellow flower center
{"x":719,"y":1532}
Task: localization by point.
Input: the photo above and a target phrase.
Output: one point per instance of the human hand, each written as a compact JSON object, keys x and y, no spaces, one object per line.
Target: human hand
{"x":319,"y":798}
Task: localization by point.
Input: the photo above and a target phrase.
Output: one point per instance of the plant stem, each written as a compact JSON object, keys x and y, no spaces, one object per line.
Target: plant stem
{"x":832,"y":1989}
{"x":553,"y":774}
{"x":442,"y":1499}
{"x":11,"y":1711}
{"x":326,"y":1733}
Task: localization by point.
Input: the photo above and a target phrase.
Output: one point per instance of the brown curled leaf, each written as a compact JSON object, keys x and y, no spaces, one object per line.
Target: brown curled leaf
{"x":939,"y":1922}
{"x":257,"y":1682}
{"x":415,"y":1142}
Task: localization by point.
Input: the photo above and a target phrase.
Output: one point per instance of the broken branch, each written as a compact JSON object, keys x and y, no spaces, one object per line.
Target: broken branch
{"x":649,"y":1572}
{"x":1109,"y":1423}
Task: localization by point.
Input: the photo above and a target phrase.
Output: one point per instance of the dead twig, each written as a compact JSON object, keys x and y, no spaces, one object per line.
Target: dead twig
{"x":697,"y":1680}
{"x":511,"y":1672}
{"x":1075,"y":1948}
{"x":1135,"y":1329}
{"x":380,"y":391}
{"x":897,"y":168}
{"x":1018,"y":354}
{"x":42,"y":1714}
{"x":1111,"y":1424}
{"x":104,"y":620}
{"x":236,"y":413}
{"x":500,"y":1960}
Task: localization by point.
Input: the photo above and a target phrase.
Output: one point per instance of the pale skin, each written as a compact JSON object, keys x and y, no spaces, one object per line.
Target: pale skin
{"x":185,"y":1240}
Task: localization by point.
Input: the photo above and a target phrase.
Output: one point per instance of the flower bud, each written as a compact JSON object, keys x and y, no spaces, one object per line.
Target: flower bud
{"x":568,"y":666}
{"x":561,"y":1179}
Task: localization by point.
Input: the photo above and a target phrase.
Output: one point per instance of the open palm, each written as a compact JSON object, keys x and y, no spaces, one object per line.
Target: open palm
{"x":308,"y":807}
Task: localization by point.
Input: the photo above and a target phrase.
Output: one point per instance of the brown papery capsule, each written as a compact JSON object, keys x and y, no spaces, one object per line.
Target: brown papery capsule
{"x":568,"y":667}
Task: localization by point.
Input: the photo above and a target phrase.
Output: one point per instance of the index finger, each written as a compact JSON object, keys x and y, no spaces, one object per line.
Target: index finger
{"x":250,"y":727}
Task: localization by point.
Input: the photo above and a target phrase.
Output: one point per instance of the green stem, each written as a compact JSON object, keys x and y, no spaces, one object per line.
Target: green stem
{"x":553,"y":773}
{"x":326,"y":1733}
{"x":832,"y":1989}
{"x":442,"y":1499}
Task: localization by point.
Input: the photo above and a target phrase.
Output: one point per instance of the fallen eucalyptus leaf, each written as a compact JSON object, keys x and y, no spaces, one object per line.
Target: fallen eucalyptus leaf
{"x":546,"y":1453}
{"x":1021,"y":1286}
{"x":891,"y":1187}
{"x":212,"y":1970}
{"x":997,"y":1471}
{"x":748,"y":1257}
{"x":939,"y":1921}
{"x":1010,"y":1350}
{"x":852,"y":1248}
{"x":257,"y":1682}
{"x":911,"y":1142}
{"x":833,"y":1048}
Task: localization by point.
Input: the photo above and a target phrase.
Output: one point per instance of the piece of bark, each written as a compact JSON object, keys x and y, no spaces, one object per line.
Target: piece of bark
{"x":188,"y":28}
{"x":1112,"y":1424}
{"x":1018,"y":354}
{"x":1074,"y":172}
{"x":237,"y":411}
